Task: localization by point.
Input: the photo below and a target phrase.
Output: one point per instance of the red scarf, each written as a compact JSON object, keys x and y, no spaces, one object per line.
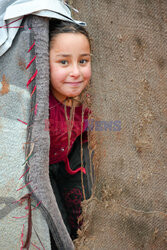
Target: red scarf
{"x":58,"y":131}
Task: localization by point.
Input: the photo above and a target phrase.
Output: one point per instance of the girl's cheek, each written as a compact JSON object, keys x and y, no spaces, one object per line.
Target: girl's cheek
{"x":88,"y":73}
{"x":60,"y":74}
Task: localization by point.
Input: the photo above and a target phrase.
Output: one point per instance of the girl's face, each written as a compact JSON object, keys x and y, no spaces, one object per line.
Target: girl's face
{"x":70,"y":65}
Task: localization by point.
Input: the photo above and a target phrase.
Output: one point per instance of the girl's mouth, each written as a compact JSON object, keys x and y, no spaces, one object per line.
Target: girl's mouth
{"x":73,"y":83}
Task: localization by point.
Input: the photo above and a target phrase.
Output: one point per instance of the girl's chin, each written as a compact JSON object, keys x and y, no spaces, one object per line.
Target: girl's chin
{"x":73,"y":94}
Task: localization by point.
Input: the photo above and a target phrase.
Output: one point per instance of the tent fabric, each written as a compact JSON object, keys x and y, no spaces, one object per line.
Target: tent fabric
{"x":15,"y":103}
{"x":12,"y":12}
{"x":128,"y":95}
{"x":25,"y":143}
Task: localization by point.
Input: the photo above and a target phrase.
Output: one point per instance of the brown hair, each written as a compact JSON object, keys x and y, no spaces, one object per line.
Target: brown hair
{"x":58,"y":26}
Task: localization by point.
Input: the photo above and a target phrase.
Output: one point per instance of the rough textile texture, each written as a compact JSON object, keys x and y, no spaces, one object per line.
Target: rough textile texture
{"x":128,"y":209}
{"x":39,"y":162}
{"x":15,"y":102}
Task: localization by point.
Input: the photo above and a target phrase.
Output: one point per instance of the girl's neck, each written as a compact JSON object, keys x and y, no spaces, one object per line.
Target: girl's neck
{"x":68,"y":100}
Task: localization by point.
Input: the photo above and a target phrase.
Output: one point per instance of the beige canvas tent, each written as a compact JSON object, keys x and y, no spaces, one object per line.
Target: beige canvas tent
{"x":129,"y":85}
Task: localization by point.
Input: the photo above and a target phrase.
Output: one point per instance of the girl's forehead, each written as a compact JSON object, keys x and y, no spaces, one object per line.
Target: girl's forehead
{"x":63,"y":40}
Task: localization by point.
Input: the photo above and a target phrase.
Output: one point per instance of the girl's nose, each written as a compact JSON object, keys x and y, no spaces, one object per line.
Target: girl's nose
{"x":75,"y":71}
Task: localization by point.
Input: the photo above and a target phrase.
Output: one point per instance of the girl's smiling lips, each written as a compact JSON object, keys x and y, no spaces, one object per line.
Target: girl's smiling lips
{"x":74,"y":83}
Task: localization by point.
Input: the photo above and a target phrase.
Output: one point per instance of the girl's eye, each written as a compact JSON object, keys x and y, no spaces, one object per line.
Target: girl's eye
{"x":83,"y":61}
{"x":64,"y":62}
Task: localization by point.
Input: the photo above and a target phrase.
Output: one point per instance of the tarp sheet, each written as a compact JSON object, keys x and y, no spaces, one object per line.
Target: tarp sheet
{"x":12,"y":12}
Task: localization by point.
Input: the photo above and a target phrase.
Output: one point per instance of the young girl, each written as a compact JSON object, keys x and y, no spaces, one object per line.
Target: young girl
{"x":70,"y":72}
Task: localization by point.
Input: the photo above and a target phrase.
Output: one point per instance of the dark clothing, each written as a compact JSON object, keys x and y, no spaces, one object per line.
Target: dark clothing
{"x":69,"y":181}
{"x":68,"y":188}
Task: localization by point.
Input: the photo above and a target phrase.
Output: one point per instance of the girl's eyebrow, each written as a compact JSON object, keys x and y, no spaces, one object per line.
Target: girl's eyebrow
{"x":68,"y":55}
{"x":85,"y":54}
{"x":64,"y":55}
